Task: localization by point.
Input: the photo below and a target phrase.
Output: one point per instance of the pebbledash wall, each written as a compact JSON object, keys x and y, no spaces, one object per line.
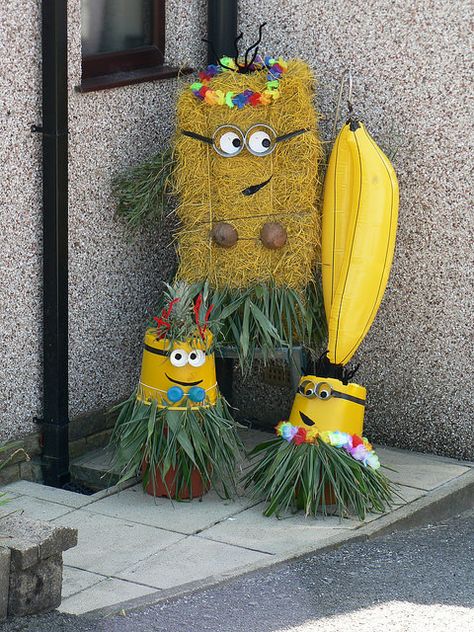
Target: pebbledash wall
{"x":410,"y":65}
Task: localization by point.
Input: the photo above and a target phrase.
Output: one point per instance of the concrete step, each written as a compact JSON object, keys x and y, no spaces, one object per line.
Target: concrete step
{"x":94,"y":469}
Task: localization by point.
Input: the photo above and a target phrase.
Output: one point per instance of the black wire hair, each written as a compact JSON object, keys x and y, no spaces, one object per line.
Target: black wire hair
{"x":247,"y":66}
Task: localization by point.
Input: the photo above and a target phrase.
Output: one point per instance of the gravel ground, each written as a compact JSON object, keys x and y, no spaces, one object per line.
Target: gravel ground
{"x":420,"y":580}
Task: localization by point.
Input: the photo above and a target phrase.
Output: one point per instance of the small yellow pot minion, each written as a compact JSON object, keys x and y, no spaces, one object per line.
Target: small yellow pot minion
{"x":320,"y":457}
{"x":176,"y":428}
{"x":178,"y":374}
{"x":326,"y":404}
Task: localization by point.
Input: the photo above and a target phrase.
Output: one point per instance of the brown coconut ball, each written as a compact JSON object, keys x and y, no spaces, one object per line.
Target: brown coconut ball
{"x":224,"y":235}
{"x":273,"y":235}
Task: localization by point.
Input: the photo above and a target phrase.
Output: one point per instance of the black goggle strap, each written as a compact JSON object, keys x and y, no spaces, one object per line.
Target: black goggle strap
{"x":155,"y":351}
{"x":298,"y":132}
{"x":209,"y":141}
{"x":349,"y":398}
{"x":338,"y":394}
{"x":204,"y":139}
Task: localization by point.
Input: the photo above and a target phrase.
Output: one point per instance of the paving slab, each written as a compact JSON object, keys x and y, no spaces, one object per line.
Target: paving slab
{"x":184,"y":517}
{"x":418,"y":470}
{"x":36,"y":509}
{"x":76,"y":580}
{"x":108,"y":545}
{"x":43,"y":492}
{"x":278,"y":536}
{"x":273,"y":535}
{"x":108,"y":592}
{"x":189,"y":560}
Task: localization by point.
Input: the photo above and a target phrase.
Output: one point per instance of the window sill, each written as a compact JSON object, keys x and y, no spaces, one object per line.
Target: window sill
{"x":118,"y":79}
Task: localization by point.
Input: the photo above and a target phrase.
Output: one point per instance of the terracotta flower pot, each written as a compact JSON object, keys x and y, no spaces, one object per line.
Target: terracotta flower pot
{"x":329,"y":497}
{"x":167,"y":487}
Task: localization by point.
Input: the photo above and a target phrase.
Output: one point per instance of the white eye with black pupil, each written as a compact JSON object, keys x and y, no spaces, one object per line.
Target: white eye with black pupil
{"x":259,"y":142}
{"x":179,"y":357}
{"x":323,"y":391}
{"x":230,"y":143}
{"x":197,"y":357}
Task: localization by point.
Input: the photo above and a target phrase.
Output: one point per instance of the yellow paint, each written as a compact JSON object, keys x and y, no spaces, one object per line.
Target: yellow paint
{"x":329,"y":413}
{"x":158,"y":371}
{"x":360,"y":212}
{"x":211,"y":186}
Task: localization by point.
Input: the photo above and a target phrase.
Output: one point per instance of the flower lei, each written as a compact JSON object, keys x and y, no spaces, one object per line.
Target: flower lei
{"x":358,"y":447}
{"x":276,"y":68}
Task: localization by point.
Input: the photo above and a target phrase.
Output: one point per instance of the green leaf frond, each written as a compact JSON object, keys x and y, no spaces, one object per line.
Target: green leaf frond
{"x":160,"y":439}
{"x":143,"y":192}
{"x":316,"y":478}
{"x":265,"y":316}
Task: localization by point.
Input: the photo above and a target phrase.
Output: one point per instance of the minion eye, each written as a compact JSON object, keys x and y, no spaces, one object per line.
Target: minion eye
{"x":179,"y":357}
{"x":259,"y":143}
{"x":197,"y":357}
{"x":260,"y":139}
{"x":228,"y":142}
{"x":323,"y":391}
{"x":307,"y":389}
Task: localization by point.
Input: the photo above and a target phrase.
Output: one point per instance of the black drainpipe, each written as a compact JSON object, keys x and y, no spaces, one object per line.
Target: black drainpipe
{"x":221,"y":34}
{"x":55,"y":457}
{"x":221,"y":28}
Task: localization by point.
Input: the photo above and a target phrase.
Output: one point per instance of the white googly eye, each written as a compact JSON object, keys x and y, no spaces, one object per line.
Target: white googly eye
{"x":306,"y":388}
{"x":230,"y":143}
{"x":197,"y":357}
{"x":179,"y":357}
{"x":323,"y":391}
{"x":259,"y":143}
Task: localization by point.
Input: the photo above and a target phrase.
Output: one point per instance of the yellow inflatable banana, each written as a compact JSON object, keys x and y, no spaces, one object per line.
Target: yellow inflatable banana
{"x":360,"y":212}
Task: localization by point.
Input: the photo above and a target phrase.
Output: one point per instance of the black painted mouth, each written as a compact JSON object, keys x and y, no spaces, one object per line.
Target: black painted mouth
{"x":183,"y":383}
{"x":256,"y":187}
{"x":306,"y":420}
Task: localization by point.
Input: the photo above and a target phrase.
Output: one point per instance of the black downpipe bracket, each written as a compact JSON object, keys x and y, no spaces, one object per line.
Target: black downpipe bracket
{"x":221,"y":34}
{"x":221,"y":29}
{"x":55,"y":457}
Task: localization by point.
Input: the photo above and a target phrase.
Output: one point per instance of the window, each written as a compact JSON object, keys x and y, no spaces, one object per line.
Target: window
{"x":123,"y":42}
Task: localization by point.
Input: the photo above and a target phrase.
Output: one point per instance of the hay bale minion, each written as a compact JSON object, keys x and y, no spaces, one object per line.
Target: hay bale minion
{"x":245,"y":169}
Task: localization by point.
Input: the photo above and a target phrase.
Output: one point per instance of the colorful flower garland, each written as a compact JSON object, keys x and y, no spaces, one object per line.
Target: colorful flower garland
{"x":276,"y":68}
{"x":358,"y":447}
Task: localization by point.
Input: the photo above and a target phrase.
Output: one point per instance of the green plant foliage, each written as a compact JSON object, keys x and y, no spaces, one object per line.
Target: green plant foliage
{"x":143,"y":192}
{"x":186,"y":314}
{"x":291,"y":477}
{"x":265,"y":316}
{"x":204,"y":438}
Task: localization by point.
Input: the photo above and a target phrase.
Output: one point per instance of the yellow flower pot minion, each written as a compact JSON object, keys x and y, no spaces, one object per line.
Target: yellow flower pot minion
{"x":323,"y":403}
{"x":176,"y":428}
{"x":177,"y":375}
{"x":320,"y":457}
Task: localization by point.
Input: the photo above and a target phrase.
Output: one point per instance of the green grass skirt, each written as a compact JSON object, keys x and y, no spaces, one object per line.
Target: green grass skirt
{"x":265,"y":316}
{"x":163,"y":439}
{"x":315,"y":477}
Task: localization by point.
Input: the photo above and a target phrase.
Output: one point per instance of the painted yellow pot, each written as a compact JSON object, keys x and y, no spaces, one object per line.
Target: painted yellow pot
{"x":328,"y":404}
{"x":178,"y":375}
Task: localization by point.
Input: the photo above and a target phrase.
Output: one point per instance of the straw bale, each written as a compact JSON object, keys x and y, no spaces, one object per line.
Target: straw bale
{"x":210,"y":187}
